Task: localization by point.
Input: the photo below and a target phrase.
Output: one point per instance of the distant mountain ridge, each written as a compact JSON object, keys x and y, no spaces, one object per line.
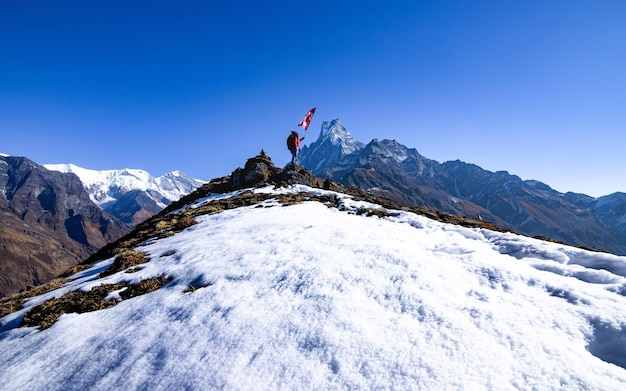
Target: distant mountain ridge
{"x":132,"y":195}
{"x":53,"y":217}
{"x":390,"y":169}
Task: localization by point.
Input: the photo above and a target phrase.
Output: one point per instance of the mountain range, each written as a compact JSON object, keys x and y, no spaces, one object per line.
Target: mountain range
{"x":275,"y":279}
{"x":49,"y":221}
{"x":392,"y":170}
{"x":131,"y":195}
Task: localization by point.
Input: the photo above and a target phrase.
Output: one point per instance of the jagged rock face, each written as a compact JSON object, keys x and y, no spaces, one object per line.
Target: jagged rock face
{"x":330,"y":150}
{"x":389,"y":169}
{"x":48,"y":223}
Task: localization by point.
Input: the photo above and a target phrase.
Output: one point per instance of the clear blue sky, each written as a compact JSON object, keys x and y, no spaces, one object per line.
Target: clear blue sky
{"x":537,"y":88}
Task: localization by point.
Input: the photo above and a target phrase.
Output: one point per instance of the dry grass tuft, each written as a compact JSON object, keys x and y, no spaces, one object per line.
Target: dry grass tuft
{"x":125,"y":260}
{"x":185,"y":222}
{"x":47,"y":313}
{"x":380,"y":212}
{"x":195,"y":286}
{"x":15,"y":302}
{"x":75,"y":269}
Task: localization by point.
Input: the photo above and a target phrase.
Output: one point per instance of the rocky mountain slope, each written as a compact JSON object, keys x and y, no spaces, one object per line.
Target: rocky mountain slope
{"x":131,"y":195}
{"x":275,"y":279}
{"x":50,"y":223}
{"x":389,"y":169}
{"x":47,"y":224}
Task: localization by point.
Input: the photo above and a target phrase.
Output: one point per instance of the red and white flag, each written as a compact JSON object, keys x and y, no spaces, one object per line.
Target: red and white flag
{"x":307,"y":119}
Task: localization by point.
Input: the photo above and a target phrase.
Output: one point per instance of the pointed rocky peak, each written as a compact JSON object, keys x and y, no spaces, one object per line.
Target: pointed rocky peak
{"x":330,"y":149}
{"x":335,"y":133}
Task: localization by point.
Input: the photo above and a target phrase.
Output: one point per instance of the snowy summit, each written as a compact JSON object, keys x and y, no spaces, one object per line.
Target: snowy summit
{"x":280,"y":285}
{"x":338,"y":135}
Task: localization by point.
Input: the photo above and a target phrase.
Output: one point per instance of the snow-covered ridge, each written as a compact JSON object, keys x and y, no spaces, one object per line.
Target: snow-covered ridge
{"x":105,"y":186}
{"x":390,"y":149}
{"x":308,"y":296}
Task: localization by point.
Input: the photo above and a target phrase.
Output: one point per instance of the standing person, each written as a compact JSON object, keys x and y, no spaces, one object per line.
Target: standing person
{"x":293,"y":143}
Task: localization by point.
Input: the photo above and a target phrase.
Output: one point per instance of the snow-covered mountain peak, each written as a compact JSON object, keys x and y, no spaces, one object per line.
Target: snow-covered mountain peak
{"x":390,"y":149}
{"x":127,"y":179}
{"x":338,"y":135}
{"x":334,"y":125}
{"x":106,"y":185}
{"x":331,"y":147}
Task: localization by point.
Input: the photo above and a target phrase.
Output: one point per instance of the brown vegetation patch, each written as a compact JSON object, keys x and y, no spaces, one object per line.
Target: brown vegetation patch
{"x":168,"y":253}
{"x":74,"y":269}
{"x":16,"y":301}
{"x":144,"y":286}
{"x":45,"y":314}
{"x":196,"y":284}
{"x":125,"y":260}
{"x":380,"y":212}
{"x":184,"y":222}
{"x":194,"y":287}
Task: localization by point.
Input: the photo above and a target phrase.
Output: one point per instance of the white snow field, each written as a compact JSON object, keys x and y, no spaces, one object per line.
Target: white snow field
{"x":307,"y":297}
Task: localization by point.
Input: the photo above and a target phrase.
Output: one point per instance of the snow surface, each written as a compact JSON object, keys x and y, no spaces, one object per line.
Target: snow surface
{"x":306,"y":297}
{"x":104,"y":186}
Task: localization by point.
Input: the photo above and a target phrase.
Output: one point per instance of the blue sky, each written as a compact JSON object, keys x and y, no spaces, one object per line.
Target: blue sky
{"x":537,"y":88}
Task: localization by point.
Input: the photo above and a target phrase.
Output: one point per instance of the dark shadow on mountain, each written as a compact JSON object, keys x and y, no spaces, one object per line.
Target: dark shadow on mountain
{"x":75,"y":228}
